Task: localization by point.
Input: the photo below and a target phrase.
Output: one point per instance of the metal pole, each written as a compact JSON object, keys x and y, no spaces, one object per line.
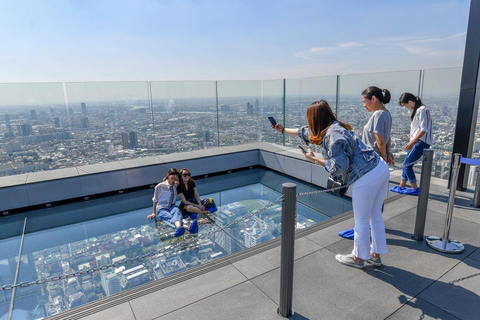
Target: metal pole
{"x":423,"y":194}
{"x":289,"y":213}
{"x":476,"y":195}
{"x":444,"y":244}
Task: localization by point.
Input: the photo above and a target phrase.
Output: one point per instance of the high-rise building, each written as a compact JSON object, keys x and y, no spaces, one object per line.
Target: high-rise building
{"x":125,"y":142}
{"x":206,"y":136}
{"x":9,"y":131}
{"x":110,"y":282}
{"x":257,"y":234}
{"x":249,"y":109}
{"x":25,"y":129}
{"x":33,"y":115}
{"x":56,"y":121}
{"x":84,"y":108}
{"x":85,"y":123}
{"x":133,"y":139}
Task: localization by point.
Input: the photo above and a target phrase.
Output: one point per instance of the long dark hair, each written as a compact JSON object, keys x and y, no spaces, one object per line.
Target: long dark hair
{"x":383,"y":95}
{"x":189,"y":182}
{"x":320,"y":117}
{"x":407,"y":96}
{"x":170,"y":172}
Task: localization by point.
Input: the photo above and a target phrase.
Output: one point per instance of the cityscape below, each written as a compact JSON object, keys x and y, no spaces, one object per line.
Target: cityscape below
{"x":38,"y":138}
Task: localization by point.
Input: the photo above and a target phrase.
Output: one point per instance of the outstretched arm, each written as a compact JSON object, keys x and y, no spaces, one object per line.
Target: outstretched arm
{"x":151,"y":216}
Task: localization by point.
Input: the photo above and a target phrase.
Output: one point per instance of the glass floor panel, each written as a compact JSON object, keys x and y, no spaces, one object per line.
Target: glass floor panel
{"x":79,"y":236}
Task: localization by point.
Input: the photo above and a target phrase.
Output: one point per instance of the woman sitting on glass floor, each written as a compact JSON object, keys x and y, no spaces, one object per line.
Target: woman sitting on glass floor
{"x":191,"y":204}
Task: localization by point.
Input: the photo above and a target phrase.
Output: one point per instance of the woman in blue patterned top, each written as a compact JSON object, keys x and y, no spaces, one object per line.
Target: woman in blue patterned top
{"x":348,"y":159}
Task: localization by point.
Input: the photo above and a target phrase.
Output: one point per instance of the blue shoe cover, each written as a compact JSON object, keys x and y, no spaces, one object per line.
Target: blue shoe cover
{"x":412,"y":192}
{"x":212,"y":209}
{"x":398,"y":189}
{"x":193,"y":227}
{"x":179,"y":232}
{"x":193,"y":216}
{"x":348,"y":234}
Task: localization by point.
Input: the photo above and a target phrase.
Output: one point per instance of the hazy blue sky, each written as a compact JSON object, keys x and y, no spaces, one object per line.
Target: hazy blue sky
{"x":117,"y":40}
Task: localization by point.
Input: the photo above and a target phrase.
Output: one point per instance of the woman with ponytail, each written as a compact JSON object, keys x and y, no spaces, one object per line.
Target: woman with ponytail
{"x":376,"y":133}
{"x":420,"y":139}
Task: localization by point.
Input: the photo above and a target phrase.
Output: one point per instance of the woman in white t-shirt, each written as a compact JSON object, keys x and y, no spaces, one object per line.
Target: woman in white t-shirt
{"x":420,"y":139}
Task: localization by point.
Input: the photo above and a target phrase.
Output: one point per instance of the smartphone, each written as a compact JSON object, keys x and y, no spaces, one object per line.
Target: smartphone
{"x":272,"y":121}
{"x":303,"y":149}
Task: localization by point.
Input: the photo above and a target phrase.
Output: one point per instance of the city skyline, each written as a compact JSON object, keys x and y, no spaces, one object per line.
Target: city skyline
{"x":70,"y":41}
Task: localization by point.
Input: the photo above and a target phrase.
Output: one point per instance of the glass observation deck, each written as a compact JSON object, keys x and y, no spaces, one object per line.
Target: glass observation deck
{"x":51,"y":126}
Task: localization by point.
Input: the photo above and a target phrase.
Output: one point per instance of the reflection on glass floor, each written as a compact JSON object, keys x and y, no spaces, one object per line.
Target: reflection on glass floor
{"x":81,"y":236}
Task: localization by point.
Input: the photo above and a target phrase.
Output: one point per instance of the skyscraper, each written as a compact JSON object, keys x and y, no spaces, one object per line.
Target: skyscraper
{"x":125,"y":140}
{"x":85,"y":123}
{"x":110,"y":282}
{"x":133,"y":139}
{"x":9,"y":131}
{"x":249,"y":109}
{"x":33,"y":115}
{"x":24,"y":129}
{"x":84,"y":108}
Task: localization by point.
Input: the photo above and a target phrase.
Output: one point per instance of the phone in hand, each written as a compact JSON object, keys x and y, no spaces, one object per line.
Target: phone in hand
{"x":272,"y":121}
{"x":302,"y":148}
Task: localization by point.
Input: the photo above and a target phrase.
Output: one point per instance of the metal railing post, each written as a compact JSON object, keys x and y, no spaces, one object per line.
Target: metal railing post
{"x":444,"y":244}
{"x":476,"y":195}
{"x":423,"y":194}
{"x":289,"y":212}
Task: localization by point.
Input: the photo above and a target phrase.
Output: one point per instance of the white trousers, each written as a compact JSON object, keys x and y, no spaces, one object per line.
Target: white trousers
{"x":368,"y":194}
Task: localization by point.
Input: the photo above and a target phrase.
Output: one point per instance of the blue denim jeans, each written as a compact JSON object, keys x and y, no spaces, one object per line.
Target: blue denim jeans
{"x":170,"y":216}
{"x":413,"y":155}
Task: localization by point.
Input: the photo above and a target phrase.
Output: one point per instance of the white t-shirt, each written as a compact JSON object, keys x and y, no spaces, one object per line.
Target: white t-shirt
{"x":422,"y":121}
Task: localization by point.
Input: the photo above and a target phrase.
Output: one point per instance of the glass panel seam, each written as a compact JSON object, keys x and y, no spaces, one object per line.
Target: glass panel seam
{"x":17,"y":270}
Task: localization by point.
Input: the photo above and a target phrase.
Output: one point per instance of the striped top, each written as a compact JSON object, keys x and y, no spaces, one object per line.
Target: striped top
{"x":422,"y":121}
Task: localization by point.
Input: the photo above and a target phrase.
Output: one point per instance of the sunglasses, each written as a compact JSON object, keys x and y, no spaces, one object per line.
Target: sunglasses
{"x":186,"y":174}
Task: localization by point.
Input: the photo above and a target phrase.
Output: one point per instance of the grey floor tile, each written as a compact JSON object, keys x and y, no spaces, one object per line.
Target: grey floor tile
{"x":461,"y":230}
{"x":269,"y":260}
{"x":244,"y":301}
{"x":182,"y":294}
{"x":119,"y":312}
{"x":329,"y":235}
{"x":475,"y":255}
{"x":420,"y":309}
{"x":324,"y":289}
{"x":458,"y":291}
{"x":392,"y":209}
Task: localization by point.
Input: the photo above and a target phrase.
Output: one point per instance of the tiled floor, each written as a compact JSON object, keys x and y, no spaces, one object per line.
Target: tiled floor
{"x":415,"y":282}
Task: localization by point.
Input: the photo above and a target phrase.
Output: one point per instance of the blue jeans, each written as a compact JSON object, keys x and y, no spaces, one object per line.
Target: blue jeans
{"x":413,"y":155}
{"x":170,"y":216}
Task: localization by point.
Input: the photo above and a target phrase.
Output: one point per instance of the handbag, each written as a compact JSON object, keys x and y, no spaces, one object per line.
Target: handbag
{"x":332,"y":183}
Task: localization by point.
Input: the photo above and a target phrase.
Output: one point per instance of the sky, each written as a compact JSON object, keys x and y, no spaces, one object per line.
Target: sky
{"x":156,"y":40}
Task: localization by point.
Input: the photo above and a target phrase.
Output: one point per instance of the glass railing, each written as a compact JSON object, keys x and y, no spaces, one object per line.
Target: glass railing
{"x":45,"y":126}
